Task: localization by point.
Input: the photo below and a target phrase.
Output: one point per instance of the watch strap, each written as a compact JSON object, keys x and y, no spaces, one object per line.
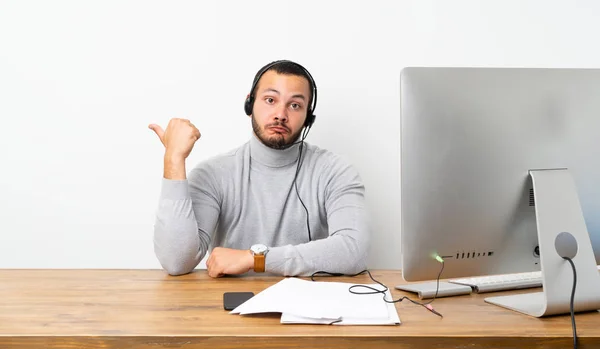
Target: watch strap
{"x":259,"y":263}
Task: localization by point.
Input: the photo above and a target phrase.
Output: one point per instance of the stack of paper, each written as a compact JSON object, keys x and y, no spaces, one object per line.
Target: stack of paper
{"x":319,"y":302}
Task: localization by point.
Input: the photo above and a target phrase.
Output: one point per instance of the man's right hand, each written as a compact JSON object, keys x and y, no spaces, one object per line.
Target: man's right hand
{"x":178,"y":139}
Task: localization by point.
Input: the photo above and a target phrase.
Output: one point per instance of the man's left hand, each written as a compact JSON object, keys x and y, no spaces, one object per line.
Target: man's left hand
{"x":227,"y":261}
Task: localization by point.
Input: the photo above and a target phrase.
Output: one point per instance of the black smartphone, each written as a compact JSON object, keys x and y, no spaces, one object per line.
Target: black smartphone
{"x":232,"y":300}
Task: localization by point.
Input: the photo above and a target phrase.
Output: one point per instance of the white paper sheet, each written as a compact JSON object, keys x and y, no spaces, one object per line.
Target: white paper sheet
{"x":320,"y":302}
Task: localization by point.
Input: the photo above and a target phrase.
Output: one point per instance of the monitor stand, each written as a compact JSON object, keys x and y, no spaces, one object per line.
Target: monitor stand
{"x":557,"y":210}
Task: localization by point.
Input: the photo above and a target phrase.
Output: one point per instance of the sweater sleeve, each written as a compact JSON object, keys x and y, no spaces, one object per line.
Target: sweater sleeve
{"x":345,"y":249}
{"x":183,"y":226}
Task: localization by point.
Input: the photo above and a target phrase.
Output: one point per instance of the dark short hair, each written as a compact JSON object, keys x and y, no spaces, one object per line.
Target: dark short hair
{"x":285,"y":67}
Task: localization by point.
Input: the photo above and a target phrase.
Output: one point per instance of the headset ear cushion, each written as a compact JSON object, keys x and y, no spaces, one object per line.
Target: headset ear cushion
{"x":248,"y":105}
{"x":310,"y":119}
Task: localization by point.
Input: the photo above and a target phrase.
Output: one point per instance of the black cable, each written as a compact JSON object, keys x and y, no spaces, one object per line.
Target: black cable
{"x":299,"y":161}
{"x":572,"y":302}
{"x":376,"y":291}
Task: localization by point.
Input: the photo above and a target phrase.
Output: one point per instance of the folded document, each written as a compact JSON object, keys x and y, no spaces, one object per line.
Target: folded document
{"x":320,"y":302}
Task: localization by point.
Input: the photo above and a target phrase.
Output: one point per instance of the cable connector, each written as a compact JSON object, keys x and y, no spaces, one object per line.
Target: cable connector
{"x":430,"y":308}
{"x":439,"y":259}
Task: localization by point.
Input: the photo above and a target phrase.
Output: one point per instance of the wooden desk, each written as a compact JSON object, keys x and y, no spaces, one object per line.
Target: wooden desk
{"x":149,"y":309}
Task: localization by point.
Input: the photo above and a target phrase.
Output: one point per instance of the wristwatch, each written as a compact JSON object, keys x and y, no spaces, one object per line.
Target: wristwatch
{"x":259,"y":251}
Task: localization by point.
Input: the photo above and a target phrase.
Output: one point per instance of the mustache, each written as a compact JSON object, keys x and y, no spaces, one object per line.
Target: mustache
{"x":278,"y":124}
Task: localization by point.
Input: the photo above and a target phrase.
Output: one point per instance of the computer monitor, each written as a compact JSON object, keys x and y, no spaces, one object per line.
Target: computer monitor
{"x":495,"y":163}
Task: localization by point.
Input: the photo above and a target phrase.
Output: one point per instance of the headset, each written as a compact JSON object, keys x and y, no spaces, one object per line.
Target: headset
{"x":310,"y":119}
{"x":310,"y":116}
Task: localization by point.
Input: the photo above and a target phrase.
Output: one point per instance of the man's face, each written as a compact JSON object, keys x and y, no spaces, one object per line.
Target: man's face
{"x":280,"y":107}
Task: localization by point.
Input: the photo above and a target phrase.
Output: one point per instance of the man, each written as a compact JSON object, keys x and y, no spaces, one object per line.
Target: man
{"x":276,"y":204}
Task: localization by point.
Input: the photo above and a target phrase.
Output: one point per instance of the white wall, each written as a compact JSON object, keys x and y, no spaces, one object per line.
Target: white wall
{"x":80,"y":80}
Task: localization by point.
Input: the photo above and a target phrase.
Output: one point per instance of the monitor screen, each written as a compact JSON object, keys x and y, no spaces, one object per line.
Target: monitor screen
{"x":469,"y":139}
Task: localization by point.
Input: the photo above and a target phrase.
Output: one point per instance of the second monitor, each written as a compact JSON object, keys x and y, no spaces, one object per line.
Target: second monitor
{"x":496,"y":163}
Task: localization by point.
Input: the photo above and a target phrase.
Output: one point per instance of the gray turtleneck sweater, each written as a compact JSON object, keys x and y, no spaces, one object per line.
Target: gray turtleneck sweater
{"x":246,"y":196}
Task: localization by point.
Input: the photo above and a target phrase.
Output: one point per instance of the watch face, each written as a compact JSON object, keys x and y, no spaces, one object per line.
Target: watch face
{"x":258,"y":248}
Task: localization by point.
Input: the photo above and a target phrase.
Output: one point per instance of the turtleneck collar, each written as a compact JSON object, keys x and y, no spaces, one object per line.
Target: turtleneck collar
{"x":272,"y":157}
